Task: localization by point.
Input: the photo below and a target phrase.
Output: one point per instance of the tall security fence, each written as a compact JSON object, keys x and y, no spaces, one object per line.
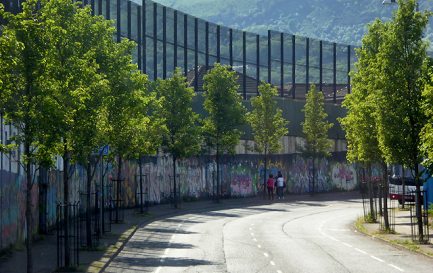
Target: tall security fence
{"x":167,"y":38}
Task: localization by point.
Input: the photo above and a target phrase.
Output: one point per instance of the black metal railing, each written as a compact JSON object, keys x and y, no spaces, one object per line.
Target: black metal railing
{"x":68,"y":234}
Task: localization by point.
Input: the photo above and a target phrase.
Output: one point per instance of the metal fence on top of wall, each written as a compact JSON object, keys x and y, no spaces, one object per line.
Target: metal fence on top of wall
{"x":167,"y":38}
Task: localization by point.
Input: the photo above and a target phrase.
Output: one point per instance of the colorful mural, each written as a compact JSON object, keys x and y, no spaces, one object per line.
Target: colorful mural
{"x":241,"y":175}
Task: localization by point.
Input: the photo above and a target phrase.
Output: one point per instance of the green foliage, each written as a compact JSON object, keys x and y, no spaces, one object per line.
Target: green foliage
{"x":132,"y":126}
{"x":26,"y":99}
{"x":182,"y":138}
{"x":224,"y":107}
{"x":315,"y":126}
{"x":266,"y":120}
{"x":360,"y":122}
{"x":400,"y":75}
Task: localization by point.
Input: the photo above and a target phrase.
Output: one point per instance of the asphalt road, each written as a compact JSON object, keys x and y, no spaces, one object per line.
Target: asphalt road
{"x":309,"y":235}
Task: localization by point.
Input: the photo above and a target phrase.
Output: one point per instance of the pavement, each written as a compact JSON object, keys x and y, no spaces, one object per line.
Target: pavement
{"x":240,"y":235}
{"x":401,"y":235}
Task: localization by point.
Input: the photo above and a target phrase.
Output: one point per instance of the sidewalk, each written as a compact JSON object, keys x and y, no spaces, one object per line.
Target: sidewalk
{"x":402,"y":237}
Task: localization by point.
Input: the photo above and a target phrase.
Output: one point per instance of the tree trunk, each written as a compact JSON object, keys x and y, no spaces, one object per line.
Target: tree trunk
{"x":218,"y":174}
{"x":118,"y":190}
{"x":314,"y":176}
{"x":66,"y":203}
{"x":29,"y":219}
{"x":140,"y":166}
{"x":418,"y":205}
{"x":385,"y":195}
{"x":370,"y":193}
{"x":403,"y":185}
{"x":264,"y":174}
{"x":88,"y":208}
{"x":174,"y":182}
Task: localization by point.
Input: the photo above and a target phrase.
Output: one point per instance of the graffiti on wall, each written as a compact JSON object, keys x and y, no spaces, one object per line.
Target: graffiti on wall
{"x":241,"y":175}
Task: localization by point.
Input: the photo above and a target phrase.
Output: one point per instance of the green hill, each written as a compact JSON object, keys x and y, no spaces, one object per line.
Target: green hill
{"x":342,"y":21}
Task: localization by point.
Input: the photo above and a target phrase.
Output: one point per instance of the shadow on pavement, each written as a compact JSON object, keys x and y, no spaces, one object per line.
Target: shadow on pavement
{"x":155,"y":262}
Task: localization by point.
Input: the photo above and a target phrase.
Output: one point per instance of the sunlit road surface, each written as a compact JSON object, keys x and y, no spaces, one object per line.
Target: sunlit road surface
{"x":294,"y":236}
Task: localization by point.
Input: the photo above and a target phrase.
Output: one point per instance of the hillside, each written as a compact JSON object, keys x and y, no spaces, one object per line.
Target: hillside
{"x":342,"y":21}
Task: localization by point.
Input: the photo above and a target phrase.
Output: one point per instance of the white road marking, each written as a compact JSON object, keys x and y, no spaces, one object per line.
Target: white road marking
{"x":377,"y":259}
{"x":250,"y":228}
{"x":259,"y":246}
{"x":166,"y":251}
{"x":254,"y":239}
{"x":279,"y":271}
{"x":346,"y":244}
{"x":333,"y":238}
{"x":252,"y":234}
{"x":157,"y":270}
{"x":252,"y":224}
{"x":172,"y":237}
{"x":361,"y":251}
{"x":179,"y":225}
{"x":266,"y":254}
{"x":396,"y":267}
{"x":272,"y":263}
{"x":339,"y":229}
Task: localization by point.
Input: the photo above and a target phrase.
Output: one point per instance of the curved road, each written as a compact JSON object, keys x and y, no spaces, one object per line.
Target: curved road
{"x":292,"y":236}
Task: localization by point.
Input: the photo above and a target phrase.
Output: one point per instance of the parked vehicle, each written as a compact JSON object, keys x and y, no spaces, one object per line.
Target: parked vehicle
{"x":396,"y":189}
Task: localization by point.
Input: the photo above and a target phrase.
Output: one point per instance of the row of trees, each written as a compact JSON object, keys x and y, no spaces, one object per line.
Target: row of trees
{"x":389,"y":118}
{"x":70,"y":89}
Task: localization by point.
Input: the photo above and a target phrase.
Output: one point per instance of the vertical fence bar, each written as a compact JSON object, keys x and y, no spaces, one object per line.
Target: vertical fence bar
{"x":307,"y":65}
{"x":321,"y":65}
{"x":144,"y":42}
{"x":175,"y":40}
{"x":269,"y":57}
{"x":128,"y":18}
{"x":231,"y":47}
{"x":92,"y":5}
{"x":293,"y":66}
{"x":107,"y":9}
{"x":99,"y":7}
{"x":185,"y":44}
{"x":348,"y":68}
{"x":164,"y":42}
{"x":258,"y":62}
{"x":139,"y":39}
{"x":218,"y":44}
{"x":118,"y":20}
{"x":207,"y":45}
{"x":196,"y":54}
{"x":334,"y":60}
{"x":155,"y":44}
{"x":282,"y":64}
{"x":244,"y":64}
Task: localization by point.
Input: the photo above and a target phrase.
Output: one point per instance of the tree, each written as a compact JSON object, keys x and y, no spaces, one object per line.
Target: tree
{"x":182,"y":138}
{"x":400,"y":116}
{"x":26,"y":101}
{"x":267,"y":122}
{"x":132,"y":126}
{"x":225,"y":113}
{"x":360,"y":121}
{"x":315,"y":128}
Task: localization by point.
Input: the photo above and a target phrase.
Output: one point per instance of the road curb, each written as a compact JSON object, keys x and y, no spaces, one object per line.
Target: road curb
{"x":390,"y":242}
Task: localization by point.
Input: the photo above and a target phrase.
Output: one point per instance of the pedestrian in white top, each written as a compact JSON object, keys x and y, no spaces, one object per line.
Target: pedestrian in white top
{"x":280,"y":185}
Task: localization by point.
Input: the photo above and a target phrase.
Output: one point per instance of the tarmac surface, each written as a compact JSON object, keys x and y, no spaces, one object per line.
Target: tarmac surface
{"x":298,"y":234}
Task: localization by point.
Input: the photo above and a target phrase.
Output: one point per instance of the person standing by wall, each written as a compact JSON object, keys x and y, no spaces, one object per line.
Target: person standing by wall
{"x":280,"y":185}
{"x":270,"y":185}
